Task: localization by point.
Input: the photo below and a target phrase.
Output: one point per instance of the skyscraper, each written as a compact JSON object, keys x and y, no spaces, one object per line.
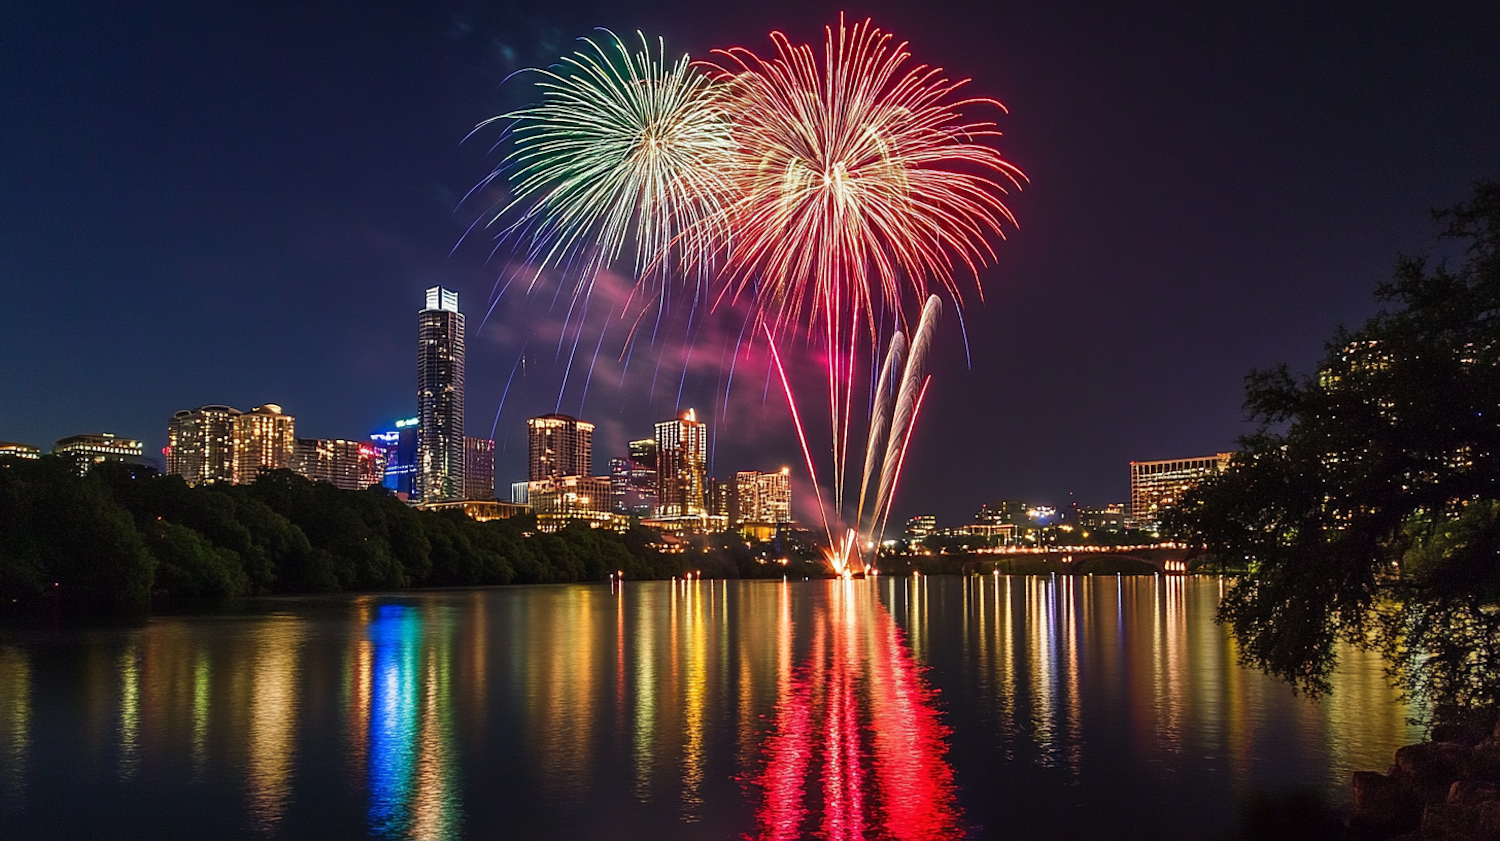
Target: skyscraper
{"x":264,"y":438}
{"x":479,"y":468}
{"x":440,"y":398}
{"x":681,"y":461}
{"x":200,"y":444}
{"x":558,"y":445}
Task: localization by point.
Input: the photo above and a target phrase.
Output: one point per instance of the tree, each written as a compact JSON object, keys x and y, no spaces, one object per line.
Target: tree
{"x":1363,"y":508}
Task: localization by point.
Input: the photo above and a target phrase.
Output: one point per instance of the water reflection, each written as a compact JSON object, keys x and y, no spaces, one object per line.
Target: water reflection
{"x":676,"y":710}
{"x":15,"y":722}
{"x":857,"y":749}
{"x":411,"y":752}
{"x":274,"y":703}
{"x":1062,"y":661}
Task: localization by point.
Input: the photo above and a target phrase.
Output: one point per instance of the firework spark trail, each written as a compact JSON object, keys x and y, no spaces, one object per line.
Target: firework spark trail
{"x":791,"y":402}
{"x":906,"y":404}
{"x":895,"y":361}
{"x":901,"y":457}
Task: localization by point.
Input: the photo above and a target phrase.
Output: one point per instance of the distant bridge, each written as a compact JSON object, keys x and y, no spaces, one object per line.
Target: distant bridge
{"x":1082,"y":559}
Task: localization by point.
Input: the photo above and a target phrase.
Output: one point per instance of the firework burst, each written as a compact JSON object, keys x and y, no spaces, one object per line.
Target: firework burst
{"x":857,"y":180}
{"x":623,"y":153}
{"x":859,"y":189}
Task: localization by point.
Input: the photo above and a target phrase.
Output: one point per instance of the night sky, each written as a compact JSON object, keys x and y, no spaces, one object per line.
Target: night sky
{"x":243,"y":202}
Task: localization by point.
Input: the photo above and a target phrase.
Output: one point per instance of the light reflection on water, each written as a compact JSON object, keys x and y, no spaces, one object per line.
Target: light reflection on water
{"x":904,"y":708}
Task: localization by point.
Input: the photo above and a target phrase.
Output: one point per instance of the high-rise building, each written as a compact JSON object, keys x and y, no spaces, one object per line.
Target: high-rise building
{"x":90,"y":449}
{"x":681,"y":462}
{"x":200,"y":444}
{"x":479,"y":468}
{"x":264,"y":438}
{"x":350,"y":465}
{"x":764,"y":497}
{"x":632,"y":479}
{"x":440,"y":398}
{"x":398,"y":457}
{"x":558,"y":445}
{"x":1158,"y":485}
{"x":720,"y":498}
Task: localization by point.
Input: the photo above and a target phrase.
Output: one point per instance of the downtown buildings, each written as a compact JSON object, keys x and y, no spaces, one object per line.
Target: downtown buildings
{"x":425,"y":458}
{"x":663,"y":480}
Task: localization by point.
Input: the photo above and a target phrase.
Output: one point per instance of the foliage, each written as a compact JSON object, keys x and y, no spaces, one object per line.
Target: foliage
{"x":123,"y":536}
{"x":1363,"y":507}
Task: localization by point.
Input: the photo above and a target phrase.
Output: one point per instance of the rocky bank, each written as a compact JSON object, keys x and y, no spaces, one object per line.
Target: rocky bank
{"x":1447,"y":789}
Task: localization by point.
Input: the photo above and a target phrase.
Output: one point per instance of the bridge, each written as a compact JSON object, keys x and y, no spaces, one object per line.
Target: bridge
{"x":1170,"y":560}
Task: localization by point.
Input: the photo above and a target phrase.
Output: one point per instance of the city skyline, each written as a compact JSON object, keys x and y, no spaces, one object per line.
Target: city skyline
{"x":1209,"y":194}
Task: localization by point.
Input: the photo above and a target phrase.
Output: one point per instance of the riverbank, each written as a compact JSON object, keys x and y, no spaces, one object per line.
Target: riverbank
{"x":1446,"y":789}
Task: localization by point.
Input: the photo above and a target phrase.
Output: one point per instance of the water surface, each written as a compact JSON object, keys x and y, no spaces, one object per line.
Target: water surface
{"x":1007,"y":708}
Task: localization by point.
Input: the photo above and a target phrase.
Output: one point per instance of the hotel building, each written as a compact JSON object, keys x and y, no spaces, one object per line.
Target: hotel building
{"x":1158,"y":485}
{"x":264,"y":439}
{"x":558,"y":445}
{"x":440,"y":398}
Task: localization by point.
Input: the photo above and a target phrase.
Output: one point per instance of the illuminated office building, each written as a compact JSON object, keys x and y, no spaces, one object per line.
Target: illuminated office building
{"x":1107,"y":519}
{"x":1158,"y":485}
{"x":681,"y":462}
{"x":562,"y":499}
{"x":763,"y":497}
{"x":440,"y":398}
{"x":200,"y":444}
{"x":10,"y":448}
{"x":920,"y":526}
{"x":398,"y":456}
{"x":264,"y":438}
{"x":558,"y":445}
{"x":632,"y":484}
{"x":90,"y":449}
{"x":479,"y":468}
{"x":720,"y":498}
{"x":350,"y":465}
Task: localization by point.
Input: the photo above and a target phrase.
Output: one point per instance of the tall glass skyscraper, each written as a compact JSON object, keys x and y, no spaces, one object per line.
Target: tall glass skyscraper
{"x":440,"y":398}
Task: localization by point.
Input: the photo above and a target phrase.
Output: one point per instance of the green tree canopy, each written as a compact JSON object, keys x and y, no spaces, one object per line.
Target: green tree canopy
{"x":1363,"y":508}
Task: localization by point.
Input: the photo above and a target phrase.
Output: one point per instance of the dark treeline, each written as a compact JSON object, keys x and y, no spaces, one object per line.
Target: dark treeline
{"x":123,"y":538}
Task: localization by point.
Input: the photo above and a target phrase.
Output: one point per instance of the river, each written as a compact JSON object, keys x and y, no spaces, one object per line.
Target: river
{"x":1009,"y":707}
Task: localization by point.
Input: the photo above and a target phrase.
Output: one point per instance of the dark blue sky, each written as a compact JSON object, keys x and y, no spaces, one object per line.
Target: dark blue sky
{"x":242,"y":203}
